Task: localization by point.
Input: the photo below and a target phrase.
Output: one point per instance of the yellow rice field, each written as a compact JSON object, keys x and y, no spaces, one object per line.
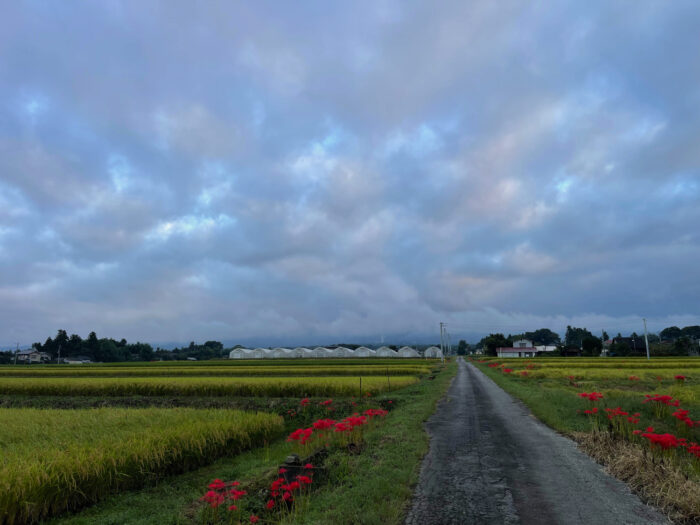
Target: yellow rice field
{"x":203,"y":386}
{"x":57,"y":460}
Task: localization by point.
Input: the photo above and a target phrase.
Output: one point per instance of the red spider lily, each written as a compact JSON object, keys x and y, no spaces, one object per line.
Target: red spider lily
{"x":663,"y":441}
{"x":591,"y":396}
{"x":308,"y":466}
{"x":323,"y":424}
{"x":217,"y":484}
{"x":213,"y":498}
{"x":235,"y":483}
{"x":493,"y":365}
{"x":232,"y":507}
{"x":634,"y":378}
{"x":305,"y":401}
{"x":282,"y":470}
{"x":270,"y":504}
{"x":254,"y":519}
{"x":530,"y":366}
{"x":662,"y":399}
{"x":301,"y":434}
{"x":326,"y":402}
{"x":237,"y":494}
{"x":571,"y":378}
{"x":682,"y":415}
{"x":287,"y":496}
{"x":375,"y":412}
{"x":305,"y":480}
{"x":507,"y":370}
{"x":524,"y":373}
{"x":592,"y":411}
{"x":636,"y":432}
{"x":680,"y":378}
{"x":694,"y":449}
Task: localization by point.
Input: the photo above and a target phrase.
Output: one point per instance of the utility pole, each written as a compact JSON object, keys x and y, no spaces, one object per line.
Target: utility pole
{"x":16,"y":350}
{"x":443,"y":348}
{"x":646,"y":338}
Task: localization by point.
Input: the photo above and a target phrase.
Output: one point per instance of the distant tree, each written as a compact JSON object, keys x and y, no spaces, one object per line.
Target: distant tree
{"x":493,"y":342}
{"x":682,"y":346}
{"x":653,"y":338}
{"x":620,"y":349}
{"x":692,"y":332}
{"x":574,"y":336}
{"x":592,"y":346}
{"x":605,"y":336}
{"x":462,"y":347}
{"x":671,"y":333}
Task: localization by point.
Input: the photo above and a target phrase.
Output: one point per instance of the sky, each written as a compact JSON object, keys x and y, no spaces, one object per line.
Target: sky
{"x":282,"y":172}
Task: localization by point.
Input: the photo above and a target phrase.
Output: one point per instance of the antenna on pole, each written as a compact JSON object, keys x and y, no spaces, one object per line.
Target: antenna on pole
{"x":646,"y":338}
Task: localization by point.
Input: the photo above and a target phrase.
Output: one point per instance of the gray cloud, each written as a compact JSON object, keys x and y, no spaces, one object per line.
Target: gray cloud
{"x":172,"y":172}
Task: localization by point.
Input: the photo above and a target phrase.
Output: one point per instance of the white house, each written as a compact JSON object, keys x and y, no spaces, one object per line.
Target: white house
{"x":521,"y":348}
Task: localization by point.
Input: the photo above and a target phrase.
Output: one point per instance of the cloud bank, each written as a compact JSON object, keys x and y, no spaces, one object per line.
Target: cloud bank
{"x":316,"y":172}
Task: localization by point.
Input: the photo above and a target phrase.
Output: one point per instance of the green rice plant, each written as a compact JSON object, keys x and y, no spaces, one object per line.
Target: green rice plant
{"x":55,"y":461}
{"x":203,"y":386}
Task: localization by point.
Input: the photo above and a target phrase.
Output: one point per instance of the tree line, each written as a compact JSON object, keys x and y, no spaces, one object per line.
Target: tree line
{"x":580,"y":341}
{"x":108,"y":350}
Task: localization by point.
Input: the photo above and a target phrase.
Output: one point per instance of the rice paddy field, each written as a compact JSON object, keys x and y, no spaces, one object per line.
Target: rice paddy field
{"x":640,"y":417}
{"x":57,"y":460}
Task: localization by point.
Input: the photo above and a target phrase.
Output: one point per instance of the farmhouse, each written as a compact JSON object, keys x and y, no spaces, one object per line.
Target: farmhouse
{"x":32,"y":356}
{"x":520,"y":348}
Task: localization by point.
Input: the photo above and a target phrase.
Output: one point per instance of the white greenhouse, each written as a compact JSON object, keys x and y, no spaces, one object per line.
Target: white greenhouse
{"x":407,"y":351}
{"x":385,"y":351}
{"x":433,"y":352}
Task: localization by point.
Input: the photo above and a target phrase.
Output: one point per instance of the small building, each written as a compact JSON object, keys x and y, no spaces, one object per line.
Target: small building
{"x":32,"y":356}
{"x":520,"y":348}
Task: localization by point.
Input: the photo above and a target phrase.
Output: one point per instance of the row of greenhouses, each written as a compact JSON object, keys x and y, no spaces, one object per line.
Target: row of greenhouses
{"x":339,"y":351}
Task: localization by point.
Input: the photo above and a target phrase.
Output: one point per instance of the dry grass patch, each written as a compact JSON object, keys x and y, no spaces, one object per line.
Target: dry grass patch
{"x":656,"y":482}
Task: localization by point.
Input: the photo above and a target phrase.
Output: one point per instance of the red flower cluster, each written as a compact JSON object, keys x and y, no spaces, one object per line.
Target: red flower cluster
{"x":326,"y":402}
{"x":302,"y":435}
{"x":634,"y":378}
{"x":507,"y":370}
{"x":493,"y":365}
{"x":524,"y":373}
{"x":282,"y":493}
{"x":220,"y":491}
{"x":662,"y":399}
{"x":304,"y":402}
{"x":592,"y":411}
{"x":591,"y":396}
{"x":682,"y":415}
{"x":680,"y":378}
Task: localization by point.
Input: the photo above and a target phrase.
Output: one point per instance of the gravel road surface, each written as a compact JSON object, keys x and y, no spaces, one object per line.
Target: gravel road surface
{"x":492,"y":462}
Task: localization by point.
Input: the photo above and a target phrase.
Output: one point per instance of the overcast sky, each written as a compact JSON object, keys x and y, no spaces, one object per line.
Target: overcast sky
{"x":322,"y":171}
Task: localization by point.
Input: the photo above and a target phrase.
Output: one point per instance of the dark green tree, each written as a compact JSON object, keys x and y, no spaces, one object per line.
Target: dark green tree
{"x":492,"y":342}
{"x":462,"y":347}
{"x":671,"y":333}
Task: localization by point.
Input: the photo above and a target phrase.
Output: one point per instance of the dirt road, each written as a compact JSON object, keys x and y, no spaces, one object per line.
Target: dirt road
{"x":492,"y":462}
